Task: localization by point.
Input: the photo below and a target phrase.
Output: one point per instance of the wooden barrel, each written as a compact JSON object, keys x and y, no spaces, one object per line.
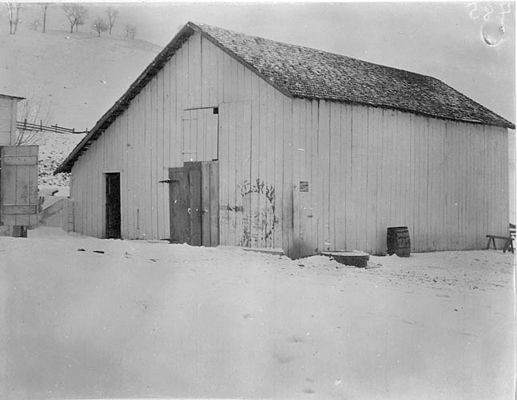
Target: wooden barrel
{"x":398,"y":241}
{"x":20,"y":231}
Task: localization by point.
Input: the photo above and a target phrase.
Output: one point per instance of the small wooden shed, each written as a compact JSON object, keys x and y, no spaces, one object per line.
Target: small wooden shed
{"x":8,"y":114}
{"x":18,"y":174}
{"x":232,"y":139}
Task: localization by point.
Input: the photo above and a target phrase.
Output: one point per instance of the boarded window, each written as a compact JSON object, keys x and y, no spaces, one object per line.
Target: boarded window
{"x":200,"y":139}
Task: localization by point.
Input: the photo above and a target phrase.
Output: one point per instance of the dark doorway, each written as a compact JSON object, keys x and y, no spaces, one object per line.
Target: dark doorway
{"x":113,"y":205}
{"x":194,"y":203}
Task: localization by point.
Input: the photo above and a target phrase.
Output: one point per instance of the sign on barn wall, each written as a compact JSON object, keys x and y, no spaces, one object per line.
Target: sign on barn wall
{"x":19,"y":185}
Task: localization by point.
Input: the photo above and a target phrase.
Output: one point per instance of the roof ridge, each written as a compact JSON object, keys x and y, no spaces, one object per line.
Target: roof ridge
{"x":292,"y":45}
{"x":343,"y":78}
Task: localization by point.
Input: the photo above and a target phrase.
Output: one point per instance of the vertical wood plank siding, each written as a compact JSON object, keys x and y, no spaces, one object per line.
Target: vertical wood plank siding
{"x":8,"y":107}
{"x":445,"y":180}
{"x":147,"y":138}
{"x":367,"y":168}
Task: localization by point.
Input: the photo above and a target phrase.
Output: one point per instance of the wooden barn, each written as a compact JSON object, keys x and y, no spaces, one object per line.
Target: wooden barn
{"x":238,"y":140}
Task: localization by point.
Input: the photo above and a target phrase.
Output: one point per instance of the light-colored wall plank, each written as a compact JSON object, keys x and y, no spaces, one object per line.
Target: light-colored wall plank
{"x":427,"y":174}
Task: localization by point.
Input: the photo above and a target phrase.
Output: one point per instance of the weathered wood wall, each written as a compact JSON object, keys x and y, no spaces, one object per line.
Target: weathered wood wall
{"x":19,"y":185}
{"x":8,"y":107}
{"x":372,"y":168}
{"x":166,"y":125}
{"x":366,"y":168}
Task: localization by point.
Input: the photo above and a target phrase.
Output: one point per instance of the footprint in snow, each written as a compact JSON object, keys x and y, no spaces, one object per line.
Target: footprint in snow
{"x":295,"y":339}
{"x":282,"y":358}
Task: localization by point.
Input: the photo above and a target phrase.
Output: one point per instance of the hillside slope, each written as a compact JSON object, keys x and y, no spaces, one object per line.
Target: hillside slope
{"x":53,"y":149}
{"x":77,"y":77}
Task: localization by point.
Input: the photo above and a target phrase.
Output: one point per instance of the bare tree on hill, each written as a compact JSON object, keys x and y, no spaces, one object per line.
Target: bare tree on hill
{"x":13,"y":10}
{"x":112,"y":17}
{"x":80,"y":21}
{"x":100,"y":25}
{"x":76,"y":15}
{"x":35,"y":25}
{"x":130,"y":31}
{"x":34,"y":111}
{"x":44,"y":8}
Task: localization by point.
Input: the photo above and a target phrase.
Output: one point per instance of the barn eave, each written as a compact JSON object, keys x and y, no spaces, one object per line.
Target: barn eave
{"x":502,"y":124}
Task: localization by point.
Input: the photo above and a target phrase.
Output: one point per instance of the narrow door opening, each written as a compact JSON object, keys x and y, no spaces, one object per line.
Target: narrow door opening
{"x":113,"y":205}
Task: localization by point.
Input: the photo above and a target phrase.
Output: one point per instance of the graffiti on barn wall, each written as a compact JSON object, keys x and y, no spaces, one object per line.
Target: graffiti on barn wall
{"x":258,"y":213}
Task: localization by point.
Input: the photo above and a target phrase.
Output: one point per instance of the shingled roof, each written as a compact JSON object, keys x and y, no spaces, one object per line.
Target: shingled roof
{"x":308,"y":73}
{"x":315,"y":74}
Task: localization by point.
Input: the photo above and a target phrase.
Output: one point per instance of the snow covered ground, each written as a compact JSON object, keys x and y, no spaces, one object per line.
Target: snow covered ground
{"x":150,"y":319}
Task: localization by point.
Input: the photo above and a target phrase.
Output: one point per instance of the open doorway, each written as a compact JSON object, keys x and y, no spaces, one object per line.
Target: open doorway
{"x":113,"y":205}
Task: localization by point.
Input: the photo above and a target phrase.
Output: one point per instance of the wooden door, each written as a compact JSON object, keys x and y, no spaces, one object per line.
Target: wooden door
{"x":179,"y":199}
{"x":19,"y":185}
{"x":113,"y":205}
{"x":194,"y":204}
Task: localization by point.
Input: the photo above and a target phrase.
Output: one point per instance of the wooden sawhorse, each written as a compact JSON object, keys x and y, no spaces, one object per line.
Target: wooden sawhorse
{"x":508,"y":244}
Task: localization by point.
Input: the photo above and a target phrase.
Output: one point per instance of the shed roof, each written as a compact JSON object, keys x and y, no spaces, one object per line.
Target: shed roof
{"x":308,"y":73}
{"x":18,"y":98}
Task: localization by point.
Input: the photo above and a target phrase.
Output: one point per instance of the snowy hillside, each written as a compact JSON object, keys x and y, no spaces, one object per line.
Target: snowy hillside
{"x":67,"y":79}
{"x":93,"y":318}
{"x":53,"y":149}
{"x":76,"y":77}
